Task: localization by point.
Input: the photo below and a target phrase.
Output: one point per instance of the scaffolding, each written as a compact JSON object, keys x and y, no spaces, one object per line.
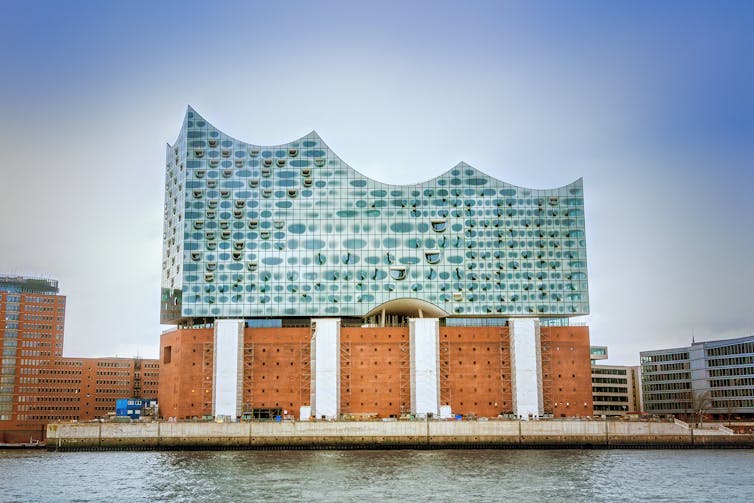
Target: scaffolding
{"x":345,"y":377}
{"x":248,"y":381}
{"x":506,"y":382}
{"x":405,"y":377}
{"x":137,"y":378}
{"x":305,"y":355}
{"x":548,"y":398}
{"x":207,"y":366}
{"x":445,"y":393}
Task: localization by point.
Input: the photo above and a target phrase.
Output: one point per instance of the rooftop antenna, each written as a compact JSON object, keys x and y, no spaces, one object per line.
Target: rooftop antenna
{"x":692,"y":336}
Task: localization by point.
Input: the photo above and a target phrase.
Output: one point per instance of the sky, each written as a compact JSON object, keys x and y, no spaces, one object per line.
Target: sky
{"x":652,"y":103}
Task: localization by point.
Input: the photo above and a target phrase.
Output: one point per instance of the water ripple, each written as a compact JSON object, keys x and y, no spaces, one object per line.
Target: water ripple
{"x":452,"y":475}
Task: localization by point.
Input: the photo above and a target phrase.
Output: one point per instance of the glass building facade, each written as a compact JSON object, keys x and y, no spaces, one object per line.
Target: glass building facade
{"x":291,"y":230}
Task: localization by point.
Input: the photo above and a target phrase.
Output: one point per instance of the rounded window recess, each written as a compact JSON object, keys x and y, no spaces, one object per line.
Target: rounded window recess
{"x":227,"y":173}
{"x":211,"y":266}
{"x":398,"y":273}
{"x":225,"y":194}
{"x":239,"y":163}
{"x":198,"y":153}
{"x":306,"y":172}
{"x":240,"y":203}
{"x":209,"y":277}
{"x":197,"y":194}
{"x":254,"y":152}
{"x":237,"y":255}
{"x":264,"y":234}
{"x":211,"y":246}
{"x":293,"y":152}
{"x":209,"y":235}
{"x":266,"y":193}
{"x":458,"y":297}
{"x":253,"y":224}
{"x":439,"y":225}
{"x":267,"y":163}
{"x":196,"y":256}
{"x":225,"y":235}
{"x":279,"y":224}
{"x":238,"y":245}
{"x":251,"y":266}
{"x":212,"y":204}
{"x":237,"y":213}
{"x":198,"y":225}
{"x":211,"y":184}
{"x":292,"y":193}
{"x":225,"y":153}
{"x":212,"y":142}
{"x":433,"y":257}
{"x":253,"y":184}
{"x":266,"y":171}
{"x":214,"y":163}
{"x":281,"y":163}
{"x":199,"y":173}
{"x":307,"y":182}
{"x":319,"y":162}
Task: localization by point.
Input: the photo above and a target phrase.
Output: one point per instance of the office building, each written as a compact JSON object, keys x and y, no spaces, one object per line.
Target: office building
{"x":616,"y":389}
{"x":715,"y":378}
{"x":37,"y":384}
{"x":32,"y":315}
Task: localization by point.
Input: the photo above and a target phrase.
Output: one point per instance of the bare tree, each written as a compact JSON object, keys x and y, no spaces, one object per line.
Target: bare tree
{"x":729,"y":410}
{"x":700,"y":403}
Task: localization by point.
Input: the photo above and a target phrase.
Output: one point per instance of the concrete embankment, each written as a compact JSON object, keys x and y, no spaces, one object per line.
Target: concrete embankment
{"x":389,"y":435}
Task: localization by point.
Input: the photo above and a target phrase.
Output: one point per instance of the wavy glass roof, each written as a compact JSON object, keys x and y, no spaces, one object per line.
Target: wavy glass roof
{"x":292,"y":230}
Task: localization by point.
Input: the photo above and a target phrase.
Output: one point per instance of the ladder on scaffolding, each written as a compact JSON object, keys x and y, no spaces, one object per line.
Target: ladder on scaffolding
{"x":506,"y":379}
{"x":248,"y":378}
{"x":345,"y":377}
{"x":548,"y":399}
{"x":305,"y":374}
{"x":405,"y":377}
{"x":445,"y":373}
{"x":207,"y":366}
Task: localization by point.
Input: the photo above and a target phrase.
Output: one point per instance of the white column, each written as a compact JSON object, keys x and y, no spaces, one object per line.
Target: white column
{"x":526,"y":367}
{"x":424,"y":336}
{"x":227,"y":382}
{"x":325,"y":368}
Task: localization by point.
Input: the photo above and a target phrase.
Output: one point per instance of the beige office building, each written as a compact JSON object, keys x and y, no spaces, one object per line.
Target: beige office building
{"x":616,"y":389}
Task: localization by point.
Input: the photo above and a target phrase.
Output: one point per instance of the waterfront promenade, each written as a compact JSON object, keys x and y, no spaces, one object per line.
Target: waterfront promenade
{"x":389,"y":435}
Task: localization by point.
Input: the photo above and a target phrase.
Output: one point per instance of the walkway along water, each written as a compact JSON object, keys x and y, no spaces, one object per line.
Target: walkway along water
{"x":389,"y":435}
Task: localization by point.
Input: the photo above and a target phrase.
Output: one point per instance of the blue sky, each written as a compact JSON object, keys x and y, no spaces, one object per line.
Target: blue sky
{"x":650,"y":102}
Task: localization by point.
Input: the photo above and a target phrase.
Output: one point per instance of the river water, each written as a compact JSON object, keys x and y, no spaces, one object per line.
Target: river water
{"x":401,"y":475}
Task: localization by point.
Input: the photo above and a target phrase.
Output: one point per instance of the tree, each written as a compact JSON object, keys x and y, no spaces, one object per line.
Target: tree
{"x":729,"y":410}
{"x":700,"y":403}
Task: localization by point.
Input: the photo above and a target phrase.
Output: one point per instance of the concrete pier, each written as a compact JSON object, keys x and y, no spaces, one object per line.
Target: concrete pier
{"x":389,"y":435}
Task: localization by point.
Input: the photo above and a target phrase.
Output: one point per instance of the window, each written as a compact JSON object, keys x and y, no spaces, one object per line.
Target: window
{"x":398,"y":273}
{"x":433,"y":257}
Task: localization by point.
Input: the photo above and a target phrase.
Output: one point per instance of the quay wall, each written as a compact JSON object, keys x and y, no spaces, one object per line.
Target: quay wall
{"x":388,"y":434}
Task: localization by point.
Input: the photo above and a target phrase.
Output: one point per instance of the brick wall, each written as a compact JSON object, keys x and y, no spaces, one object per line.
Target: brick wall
{"x":566,"y":371}
{"x":375,"y":371}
